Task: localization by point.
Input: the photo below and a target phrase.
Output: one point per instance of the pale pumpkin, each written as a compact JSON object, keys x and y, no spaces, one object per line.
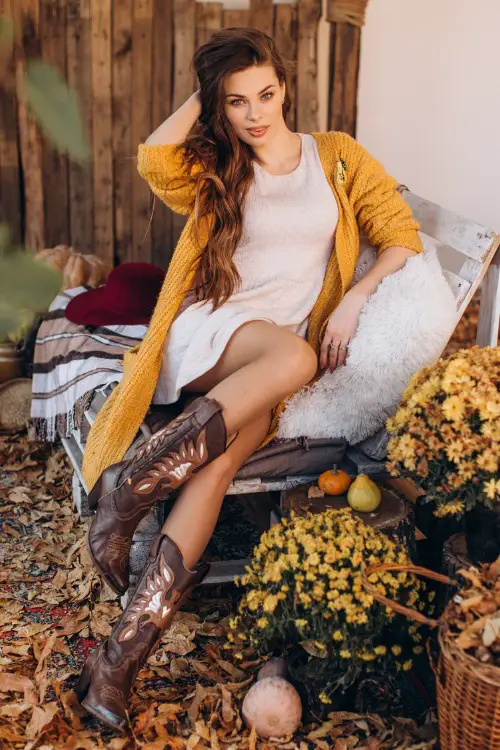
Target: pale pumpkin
{"x":364,"y":495}
{"x":334,"y":481}
{"x":77,"y":269}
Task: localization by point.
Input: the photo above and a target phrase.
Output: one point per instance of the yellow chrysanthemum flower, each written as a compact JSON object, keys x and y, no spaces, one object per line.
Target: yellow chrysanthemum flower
{"x":270,"y":603}
{"x":492,"y":489}
{"x":324,"y":698}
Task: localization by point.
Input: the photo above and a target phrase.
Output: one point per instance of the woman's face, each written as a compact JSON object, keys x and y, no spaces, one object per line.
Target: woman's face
{"x":254,"y":99}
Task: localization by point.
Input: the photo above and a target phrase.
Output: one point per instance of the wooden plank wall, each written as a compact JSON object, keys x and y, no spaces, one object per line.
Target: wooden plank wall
{"x":345,"y":46}
{"x":130,"y":62}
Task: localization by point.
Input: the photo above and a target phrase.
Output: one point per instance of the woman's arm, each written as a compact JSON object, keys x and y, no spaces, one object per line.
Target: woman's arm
{"x":161,"y":159}
{"x":176,"y":127}
{"x":387,"y":220}
{"x":390,"y":261}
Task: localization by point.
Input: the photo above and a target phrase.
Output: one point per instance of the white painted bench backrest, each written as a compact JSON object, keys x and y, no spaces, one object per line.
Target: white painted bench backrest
{"x":469,"y":254}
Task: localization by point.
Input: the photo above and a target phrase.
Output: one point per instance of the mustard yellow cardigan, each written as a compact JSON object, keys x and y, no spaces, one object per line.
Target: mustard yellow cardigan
{"x":367,"y":199}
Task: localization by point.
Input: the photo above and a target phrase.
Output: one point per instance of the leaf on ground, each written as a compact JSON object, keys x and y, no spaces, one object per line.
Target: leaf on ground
{"x":14,"y":682}
{"x":40,"y":718}
{"x":238,"y":674}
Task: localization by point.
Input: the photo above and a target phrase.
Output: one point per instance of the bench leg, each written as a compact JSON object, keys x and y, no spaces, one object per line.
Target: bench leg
{"x":489,"y":306}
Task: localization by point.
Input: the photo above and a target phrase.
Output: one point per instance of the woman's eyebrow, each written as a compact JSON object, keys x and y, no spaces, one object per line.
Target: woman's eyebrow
{"x":242,"y":96}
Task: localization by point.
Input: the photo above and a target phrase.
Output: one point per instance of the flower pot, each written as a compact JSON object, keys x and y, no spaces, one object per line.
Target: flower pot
{"x":482,"y":531}
{"x":11,"y":362}
{"x":312,"y":676}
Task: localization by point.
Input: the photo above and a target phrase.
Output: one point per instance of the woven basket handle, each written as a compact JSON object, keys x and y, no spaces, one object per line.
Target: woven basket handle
{"x":413,"y":614}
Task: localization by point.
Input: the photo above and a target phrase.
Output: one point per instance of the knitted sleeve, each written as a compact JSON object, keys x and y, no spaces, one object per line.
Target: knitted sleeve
{"x":164,"y":169}
{"x":380,"y":210}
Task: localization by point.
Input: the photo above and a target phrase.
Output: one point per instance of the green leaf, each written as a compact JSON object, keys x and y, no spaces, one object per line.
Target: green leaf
{"x":56,"y":108}
{"x":27,"y":286}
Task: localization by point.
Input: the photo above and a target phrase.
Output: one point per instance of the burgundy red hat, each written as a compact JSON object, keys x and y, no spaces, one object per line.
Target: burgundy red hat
{"x":128,"y":297}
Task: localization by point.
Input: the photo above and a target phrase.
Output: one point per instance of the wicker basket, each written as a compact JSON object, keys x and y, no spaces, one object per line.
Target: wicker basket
{"x":15,"y":404}
{"x":468,"y":692}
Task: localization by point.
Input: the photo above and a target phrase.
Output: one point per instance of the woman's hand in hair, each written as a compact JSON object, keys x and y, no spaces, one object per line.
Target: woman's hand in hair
{"x":340,"y":330}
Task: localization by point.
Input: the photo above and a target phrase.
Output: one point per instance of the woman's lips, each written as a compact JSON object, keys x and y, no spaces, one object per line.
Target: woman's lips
{"x":257,"y":132}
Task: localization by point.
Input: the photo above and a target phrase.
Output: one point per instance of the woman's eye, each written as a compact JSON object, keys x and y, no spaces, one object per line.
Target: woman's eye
{"x":270,"y":94}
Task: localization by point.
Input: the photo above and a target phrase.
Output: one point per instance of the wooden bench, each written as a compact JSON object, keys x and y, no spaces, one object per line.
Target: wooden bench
{"x":469,"y":255}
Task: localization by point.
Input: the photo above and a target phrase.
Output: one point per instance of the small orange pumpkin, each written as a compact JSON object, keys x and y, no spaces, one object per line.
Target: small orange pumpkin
{"x":334,"y":481}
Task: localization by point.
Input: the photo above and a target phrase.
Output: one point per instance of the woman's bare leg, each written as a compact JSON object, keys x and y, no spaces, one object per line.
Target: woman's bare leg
{"x":191,"y":521}
{"x":262,"y":364}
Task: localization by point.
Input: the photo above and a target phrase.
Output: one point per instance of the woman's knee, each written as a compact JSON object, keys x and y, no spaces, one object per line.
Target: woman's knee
{"x":298,"y":359}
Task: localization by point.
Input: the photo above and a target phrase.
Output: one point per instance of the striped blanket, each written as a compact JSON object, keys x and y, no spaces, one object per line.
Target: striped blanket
{"x":71,"y":363}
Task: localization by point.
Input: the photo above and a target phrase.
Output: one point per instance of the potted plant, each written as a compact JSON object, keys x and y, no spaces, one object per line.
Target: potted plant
{"x":446,"y":435}
{"x":304,"y":596}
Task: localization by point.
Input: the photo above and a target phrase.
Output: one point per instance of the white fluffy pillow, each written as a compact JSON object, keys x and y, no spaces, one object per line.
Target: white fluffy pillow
{"x":404,"y":326}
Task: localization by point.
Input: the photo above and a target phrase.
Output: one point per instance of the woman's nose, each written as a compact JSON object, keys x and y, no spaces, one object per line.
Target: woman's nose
{"x":253,"y":114}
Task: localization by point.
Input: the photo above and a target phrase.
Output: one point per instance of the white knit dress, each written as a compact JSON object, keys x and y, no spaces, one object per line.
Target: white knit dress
{"x":289,"y":223}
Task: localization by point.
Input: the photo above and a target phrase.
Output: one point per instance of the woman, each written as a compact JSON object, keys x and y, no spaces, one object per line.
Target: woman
{"x":256,"y":290}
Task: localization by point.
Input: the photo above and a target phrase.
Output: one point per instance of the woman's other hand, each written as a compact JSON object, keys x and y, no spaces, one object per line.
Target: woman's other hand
{"x":340,"y":330}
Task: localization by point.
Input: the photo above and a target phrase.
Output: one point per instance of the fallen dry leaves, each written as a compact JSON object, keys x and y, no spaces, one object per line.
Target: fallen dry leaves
{"x":465,"y":333}
{"x":473,"y":615}
{"x":54,"y":611}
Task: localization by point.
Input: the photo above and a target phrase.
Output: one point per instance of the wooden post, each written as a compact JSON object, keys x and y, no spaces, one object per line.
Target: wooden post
{"x":261,"y":15}
{"x":345,"y":41}
{"x":285,"y":36}
{"x":234,"y":18}
{"x":184,"y":76}
{"x":55,"y":163}
{"x":81,"y":204}
{"x":142,"y":43}
{"x":123,"y":148}
{"x":208,"y":20}
{"x":309,"y":12}
{"x":163,"y":35}
{"x":489,"y":306}
{"x":29,"y":137}
{"x":10,"y":188}
{"x":102,"y":129}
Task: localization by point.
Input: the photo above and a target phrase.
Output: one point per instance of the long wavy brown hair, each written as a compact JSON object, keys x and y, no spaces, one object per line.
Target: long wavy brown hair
{"x":223,"y":162}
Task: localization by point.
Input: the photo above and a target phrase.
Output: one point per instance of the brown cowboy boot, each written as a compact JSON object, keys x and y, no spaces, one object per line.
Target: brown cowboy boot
{"x":107,"y":677}
{"x":126,"y":491}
